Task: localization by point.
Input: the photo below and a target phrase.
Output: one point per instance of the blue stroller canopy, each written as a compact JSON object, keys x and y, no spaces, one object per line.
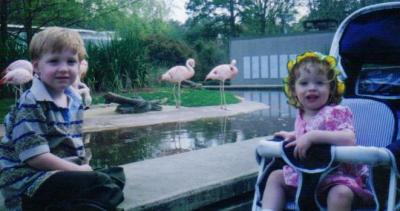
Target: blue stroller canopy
{"x":373,"y":38}
{"x":367,"y":45}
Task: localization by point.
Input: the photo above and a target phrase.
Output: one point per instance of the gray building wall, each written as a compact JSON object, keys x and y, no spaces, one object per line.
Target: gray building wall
{"x":263,"y":61}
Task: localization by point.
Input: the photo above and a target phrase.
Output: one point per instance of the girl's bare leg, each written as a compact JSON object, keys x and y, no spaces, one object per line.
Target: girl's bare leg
{"x":340,"y":197}
{"x":274,"y":193}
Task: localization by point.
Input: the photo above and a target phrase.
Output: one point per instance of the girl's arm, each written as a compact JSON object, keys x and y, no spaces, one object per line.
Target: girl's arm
{"x":344,"y":137}
{"x":49,"y":161}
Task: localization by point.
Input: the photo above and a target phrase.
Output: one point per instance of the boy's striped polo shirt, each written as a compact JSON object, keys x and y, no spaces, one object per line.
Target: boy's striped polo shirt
{"x":36,"y":125}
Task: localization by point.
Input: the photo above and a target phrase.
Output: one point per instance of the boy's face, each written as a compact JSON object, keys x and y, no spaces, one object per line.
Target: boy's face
{"x":57,"y":70}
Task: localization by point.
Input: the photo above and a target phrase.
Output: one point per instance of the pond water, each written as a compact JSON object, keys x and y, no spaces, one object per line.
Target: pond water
{"x":140,"y":143}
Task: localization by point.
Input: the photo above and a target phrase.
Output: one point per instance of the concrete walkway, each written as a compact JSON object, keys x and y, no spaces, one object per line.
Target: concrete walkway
{"x":191,"y":180}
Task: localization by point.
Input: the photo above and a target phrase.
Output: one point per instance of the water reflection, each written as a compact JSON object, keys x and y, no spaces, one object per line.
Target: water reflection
{"x":139,"y":143}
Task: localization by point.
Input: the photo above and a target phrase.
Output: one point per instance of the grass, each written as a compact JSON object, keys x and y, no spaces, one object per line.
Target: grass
{"x":190,"y":98}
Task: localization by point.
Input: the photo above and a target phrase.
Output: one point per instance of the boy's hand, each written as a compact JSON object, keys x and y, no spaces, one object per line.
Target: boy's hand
{"x":301,"y":145}
{"x":287,"y":136}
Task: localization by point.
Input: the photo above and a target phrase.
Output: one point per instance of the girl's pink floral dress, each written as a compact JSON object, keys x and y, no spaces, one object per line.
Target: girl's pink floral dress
{"x":332,"y":118}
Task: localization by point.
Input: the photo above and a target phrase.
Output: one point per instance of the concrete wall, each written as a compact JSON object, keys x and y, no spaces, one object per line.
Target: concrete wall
{"x":263,"y":60}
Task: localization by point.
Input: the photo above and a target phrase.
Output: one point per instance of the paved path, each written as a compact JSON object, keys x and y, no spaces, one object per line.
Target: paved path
{"x":191,"y":180}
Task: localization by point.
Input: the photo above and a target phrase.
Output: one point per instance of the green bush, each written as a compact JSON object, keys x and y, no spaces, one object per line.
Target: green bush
{"x":118,"y":65}
{"x":210,"y":54}
{"x":164,"y":51}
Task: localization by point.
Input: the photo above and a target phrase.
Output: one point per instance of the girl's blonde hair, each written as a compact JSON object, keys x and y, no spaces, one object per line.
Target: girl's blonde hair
{"x":56,"y":39}
{"x":321,"y":64}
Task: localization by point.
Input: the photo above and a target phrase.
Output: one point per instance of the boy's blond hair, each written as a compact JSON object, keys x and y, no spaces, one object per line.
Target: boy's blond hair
{"x":56,"y":39}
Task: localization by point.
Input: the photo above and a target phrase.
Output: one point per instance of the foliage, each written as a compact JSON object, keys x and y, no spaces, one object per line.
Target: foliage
{"x":217,"y":12}
{"x":209,"y":54}
{"x":338,"y":9}
{"x":118,"y":65}
{"x":164,"y":51}
{"x":262,"y":17}
{"x":5,"y":106}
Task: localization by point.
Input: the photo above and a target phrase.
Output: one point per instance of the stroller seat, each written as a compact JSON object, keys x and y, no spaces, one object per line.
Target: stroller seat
{"x":376,"y":127}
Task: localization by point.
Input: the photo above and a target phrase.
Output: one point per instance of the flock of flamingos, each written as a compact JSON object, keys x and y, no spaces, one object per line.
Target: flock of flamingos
{"x":21,"y":72}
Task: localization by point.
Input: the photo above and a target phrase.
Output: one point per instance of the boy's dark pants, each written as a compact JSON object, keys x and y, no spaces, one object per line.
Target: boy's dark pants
{"x":76,"y":191}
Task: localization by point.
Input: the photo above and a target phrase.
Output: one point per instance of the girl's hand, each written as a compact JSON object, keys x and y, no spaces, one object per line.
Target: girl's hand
{"x":85,"y":167}
{"x":287,"y":136}
{"x":301,"y":145}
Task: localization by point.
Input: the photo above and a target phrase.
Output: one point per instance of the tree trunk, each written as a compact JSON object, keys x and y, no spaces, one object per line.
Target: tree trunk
{"x":263,"y":17}
{"x":3,"y":31}
{"x":28,"y":21}
{"x":232,"y":18}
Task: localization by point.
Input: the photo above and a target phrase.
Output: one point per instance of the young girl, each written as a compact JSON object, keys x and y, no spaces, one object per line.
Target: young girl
{"x":313,"y":87}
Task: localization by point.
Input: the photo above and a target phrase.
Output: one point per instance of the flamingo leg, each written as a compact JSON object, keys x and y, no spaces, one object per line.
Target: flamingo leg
{"x":179,"y":94}
{"x":220,"y":95}
{"x":223,"y":94}
{"x":174,"y":93}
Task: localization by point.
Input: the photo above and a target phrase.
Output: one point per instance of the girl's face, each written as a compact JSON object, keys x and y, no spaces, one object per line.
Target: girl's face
{"x":312,"y":90}
{"x":57,"y":70}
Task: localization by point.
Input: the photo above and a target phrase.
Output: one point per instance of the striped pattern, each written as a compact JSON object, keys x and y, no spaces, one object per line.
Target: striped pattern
{"x":34,"y":127}
{"x":374,"y":121}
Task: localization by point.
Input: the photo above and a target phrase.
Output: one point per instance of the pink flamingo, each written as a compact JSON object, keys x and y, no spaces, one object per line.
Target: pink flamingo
{"x":176,"y":75}
{"x":81,"y":87}
{"x":18,"y":73}
{"x":223,"y":72}
{"x":25,"y":64}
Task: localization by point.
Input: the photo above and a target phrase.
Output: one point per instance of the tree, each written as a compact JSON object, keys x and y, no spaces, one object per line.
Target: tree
{"x":336,"y":9}
{"x":217,"y":13}
{"x":268,"y":16}
{"x":3,"y":29}
{"x":94,"y":14}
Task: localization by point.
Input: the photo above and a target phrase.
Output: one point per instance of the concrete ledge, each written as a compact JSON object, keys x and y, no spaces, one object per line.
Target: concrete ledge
{"x":191,"y":180}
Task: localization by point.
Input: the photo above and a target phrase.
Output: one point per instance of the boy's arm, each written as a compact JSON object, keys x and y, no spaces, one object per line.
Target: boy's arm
{"x":49,"y":161}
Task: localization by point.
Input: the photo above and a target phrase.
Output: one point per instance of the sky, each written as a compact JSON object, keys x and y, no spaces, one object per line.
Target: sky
{"x":178,"y":10}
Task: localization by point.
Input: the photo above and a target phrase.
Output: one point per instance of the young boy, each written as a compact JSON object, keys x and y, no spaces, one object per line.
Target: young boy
{"x":44,"y":134}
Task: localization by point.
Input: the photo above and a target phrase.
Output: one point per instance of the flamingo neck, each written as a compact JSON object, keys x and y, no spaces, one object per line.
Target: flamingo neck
{"x":190,"y":69}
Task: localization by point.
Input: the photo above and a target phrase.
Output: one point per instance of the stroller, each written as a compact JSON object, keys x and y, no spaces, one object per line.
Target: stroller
{"x":367,"y":47}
